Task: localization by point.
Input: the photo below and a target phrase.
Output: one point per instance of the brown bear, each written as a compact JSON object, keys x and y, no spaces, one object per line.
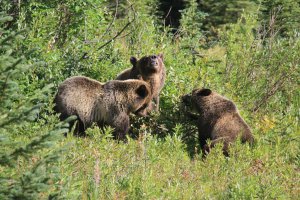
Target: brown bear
{"x":150,"y":69}
{"x":105,"y":104}
{"x":218,"y":119}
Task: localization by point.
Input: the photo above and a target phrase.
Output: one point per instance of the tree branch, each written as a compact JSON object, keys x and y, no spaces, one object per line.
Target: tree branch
{"x":120,"y":32}
{"x":115,"y":16}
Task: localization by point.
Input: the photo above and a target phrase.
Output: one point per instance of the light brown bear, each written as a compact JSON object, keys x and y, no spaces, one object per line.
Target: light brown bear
{"x":105,"y":104}
{"x":150,"y":69}
{"x":218,"y":119}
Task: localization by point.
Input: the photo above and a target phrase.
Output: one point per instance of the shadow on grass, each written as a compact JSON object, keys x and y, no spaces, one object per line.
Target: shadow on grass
{"x":163,"y":124}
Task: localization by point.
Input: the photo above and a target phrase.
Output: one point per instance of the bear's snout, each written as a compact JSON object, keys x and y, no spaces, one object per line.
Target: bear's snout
{"x":186,"y":99}
{"x":153,"y":60}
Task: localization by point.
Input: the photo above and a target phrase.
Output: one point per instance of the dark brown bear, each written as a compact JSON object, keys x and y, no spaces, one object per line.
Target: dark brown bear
{"x":150,"y":69}
{"x":218,"y":120}
{"x":104,"y":104}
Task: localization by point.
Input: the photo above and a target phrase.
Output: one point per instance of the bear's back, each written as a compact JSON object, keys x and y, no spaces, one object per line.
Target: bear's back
{"x":230,"y":126}
{"x":76,"y":96}
{"x":220,"y":118}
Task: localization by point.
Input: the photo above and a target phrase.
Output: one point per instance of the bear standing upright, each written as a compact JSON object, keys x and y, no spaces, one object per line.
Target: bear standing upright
{"x":218,"y":120}
{"x":150,"y":69}
{"x":105,"y":104}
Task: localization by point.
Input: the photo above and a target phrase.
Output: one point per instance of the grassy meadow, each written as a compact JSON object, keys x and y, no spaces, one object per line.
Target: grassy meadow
{"x":249,"y":62}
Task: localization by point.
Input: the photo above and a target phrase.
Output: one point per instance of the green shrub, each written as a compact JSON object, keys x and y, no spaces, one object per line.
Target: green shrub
{"x":27,"y":164}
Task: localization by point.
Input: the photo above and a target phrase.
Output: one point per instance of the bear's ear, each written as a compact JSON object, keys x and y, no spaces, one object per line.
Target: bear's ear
{"x":204,"y":92}
{"x":161,"y":56}
{"x":142,"y":91}
{"x":139,"y":77}
{"x":133,"y":60}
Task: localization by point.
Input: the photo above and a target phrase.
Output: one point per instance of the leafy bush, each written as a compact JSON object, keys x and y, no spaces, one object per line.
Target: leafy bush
{"x":36,"y":157}
{"x":262,"y":71}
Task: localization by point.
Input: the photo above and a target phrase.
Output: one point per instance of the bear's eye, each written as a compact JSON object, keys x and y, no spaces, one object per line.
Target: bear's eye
{"x":204,"y":92}
{"x":142,"y":91}
{"x":144,"y":60}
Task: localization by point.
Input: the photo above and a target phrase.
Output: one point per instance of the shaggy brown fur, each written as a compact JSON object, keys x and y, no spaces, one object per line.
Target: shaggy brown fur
{"x":105,"y":104}
{"x":150,"y":69}
{"x":218,"y":120}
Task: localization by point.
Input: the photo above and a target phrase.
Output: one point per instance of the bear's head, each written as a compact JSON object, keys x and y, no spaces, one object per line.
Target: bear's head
{"x":197,"y":99}
{"x":148,"y":65}
{"x":142,"y":100}
{"x":205,"y":101}
{"x":138,"y":96}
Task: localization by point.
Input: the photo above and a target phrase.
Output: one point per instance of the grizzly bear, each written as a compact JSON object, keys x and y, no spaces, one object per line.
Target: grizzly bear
{"x":105,"y":104}
{"x":150,"y":69}
{"x":218,"y":119}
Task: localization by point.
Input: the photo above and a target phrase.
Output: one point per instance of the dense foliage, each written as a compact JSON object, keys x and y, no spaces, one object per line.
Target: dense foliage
{"x":248,"y":51}
{"x":29,"y":153}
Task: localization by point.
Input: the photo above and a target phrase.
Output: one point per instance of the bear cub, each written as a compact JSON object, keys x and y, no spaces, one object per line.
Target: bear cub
{"x":105,"y":104}
{"x":218,"y":119}
{"x":150,"y":69}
